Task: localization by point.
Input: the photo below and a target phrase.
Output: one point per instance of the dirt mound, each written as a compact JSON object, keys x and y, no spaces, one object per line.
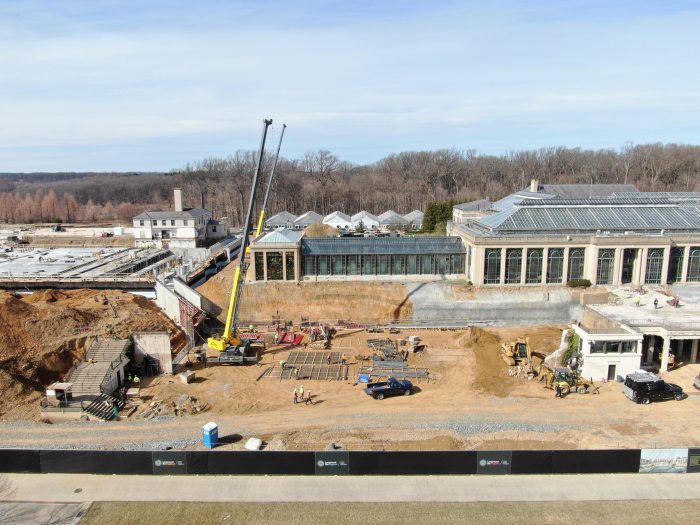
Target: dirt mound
{"x":44,"y":334}
{"x":491,"y":370}
{"x":320,"y":230}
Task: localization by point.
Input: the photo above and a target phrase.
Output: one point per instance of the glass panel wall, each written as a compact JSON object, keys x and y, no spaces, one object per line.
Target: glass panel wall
{"x":675,"y":265}
{"x":533,"y":272}
{"x":606,"y":258}
{"x":369,"y":265}
{"x":398,"y":266}
{"x":655,"y":259}
{"x":353,"y":264}
{"x":384,"y":265}
{"x":426,"y":265}
{"x":514,"y":260}
{"x":555,"y":265}
{"x":289,"y":265}
{"x":412,"y":264}
{"x":443,"y":264}
{"x":576,"y":258}
{"x":338,"y":264}
{"x":492,"y":266}
{"x":259,"y":266}
{"x":274,"y":266}
{"x":322,"y":266}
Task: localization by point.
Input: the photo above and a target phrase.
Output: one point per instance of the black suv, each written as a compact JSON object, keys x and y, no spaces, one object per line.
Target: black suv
{"x":646,"y":387}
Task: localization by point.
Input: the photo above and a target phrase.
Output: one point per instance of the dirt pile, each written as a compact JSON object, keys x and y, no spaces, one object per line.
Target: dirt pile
{"x":320,"y":230}
{"x":373,"y":302}
{"x":491,"y":371}
{"x":44,"y":334}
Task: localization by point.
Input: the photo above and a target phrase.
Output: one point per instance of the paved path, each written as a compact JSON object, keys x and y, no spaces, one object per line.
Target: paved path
{"x":72,"y":488}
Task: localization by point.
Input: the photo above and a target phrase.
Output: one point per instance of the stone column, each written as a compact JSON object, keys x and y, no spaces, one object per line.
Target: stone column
{"x":565,"y":269}
{"x":686,"y":260}
{"x":478,"y":262}
{"x":642,"y":266}
{"x":590,"y":264}
{"x":264,"y":265}
{"x":502,"y":269}
{"x":284,"y":265}
{"x":545,"y":254}
{"x":617,"y":267}
{"x":523,"y":266}
{"x":694,"y":352}
{"x":665,"y":265}
{"x":297,"y":263}
{"x":664,"y":355}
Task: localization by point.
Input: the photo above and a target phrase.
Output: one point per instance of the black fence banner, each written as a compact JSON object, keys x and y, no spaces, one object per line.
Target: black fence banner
{"x":332,"y":463}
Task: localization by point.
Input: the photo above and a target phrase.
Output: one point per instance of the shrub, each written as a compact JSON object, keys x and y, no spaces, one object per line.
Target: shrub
{"x":578,"y":283}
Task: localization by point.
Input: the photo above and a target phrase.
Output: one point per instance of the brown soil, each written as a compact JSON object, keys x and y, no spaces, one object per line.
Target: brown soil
{"x":44,"y":334}
{"x":320,"y":230}
{"x":371,"y":302}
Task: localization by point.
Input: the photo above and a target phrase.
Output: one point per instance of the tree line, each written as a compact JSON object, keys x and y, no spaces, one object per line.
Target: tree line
{"x":322,"y":182}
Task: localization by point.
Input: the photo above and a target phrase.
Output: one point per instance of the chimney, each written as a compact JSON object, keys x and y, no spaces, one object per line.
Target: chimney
{"x":202,"y":197}
{"x":535,"y":185}
{"x":178,"y":199}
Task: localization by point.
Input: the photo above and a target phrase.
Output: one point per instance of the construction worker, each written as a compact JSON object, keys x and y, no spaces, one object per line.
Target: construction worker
{"x":557,"y":389}
{"x":296,"y":373}
{"x":251,"y":328}
{"x":137,"y":380}
{"x":90,"y":361}
{"x":329,"y":359}
{"x":301,"y":392}
{"x":308,"y":398}
{"x":343,"y":359}
{"x":656,"y":303}
{"x":296,"y":396}
{"x":276,"y":337}
{"x":283,"y":363}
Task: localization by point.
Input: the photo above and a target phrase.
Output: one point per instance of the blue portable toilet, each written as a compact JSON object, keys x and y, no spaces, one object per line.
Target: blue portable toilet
{"x":211,"y":435}
{"x":363,"y":378}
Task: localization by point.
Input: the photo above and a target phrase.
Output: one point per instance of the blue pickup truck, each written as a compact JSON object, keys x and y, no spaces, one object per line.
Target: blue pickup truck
{"x":390,"y":387}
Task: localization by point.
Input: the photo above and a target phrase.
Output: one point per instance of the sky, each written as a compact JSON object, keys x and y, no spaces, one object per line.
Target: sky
{"x":149,"y":85}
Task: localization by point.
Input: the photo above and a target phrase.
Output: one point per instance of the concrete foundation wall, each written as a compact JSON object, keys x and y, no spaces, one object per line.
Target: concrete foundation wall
{"x":168,"y":301}
{"x":193,"y":296}
{"x":113,"y":384}
{"x":440,"y":302}
{"x":155,"y":345}
{"x":594,"y":320}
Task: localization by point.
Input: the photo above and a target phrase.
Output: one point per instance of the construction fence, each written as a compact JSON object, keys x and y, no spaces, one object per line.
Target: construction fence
{"x":351,"y":462}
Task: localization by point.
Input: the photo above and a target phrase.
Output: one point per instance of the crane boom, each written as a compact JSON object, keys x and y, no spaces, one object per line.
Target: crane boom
{"x":269,"y":184}
{"x":229,"y":337}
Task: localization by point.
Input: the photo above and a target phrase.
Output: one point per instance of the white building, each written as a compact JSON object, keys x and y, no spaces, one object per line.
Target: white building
{"x":608,"y":352}
{"x":283,"y":219}
{"x":178,"y":228}
{"x":390,"y":219}
{"x":415,"y":219}
{"x":368,"y":220}
{"x":338,"y":220}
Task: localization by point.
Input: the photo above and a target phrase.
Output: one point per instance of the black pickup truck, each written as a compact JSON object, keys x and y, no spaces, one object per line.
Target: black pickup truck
{"x":646,"y":387}
{"x":390,"y":387}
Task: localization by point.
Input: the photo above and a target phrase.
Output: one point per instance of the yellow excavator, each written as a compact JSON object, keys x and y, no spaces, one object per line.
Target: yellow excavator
{"x":232,"y":349}
{"x":517,"y":352}
{"x":567,"y":380}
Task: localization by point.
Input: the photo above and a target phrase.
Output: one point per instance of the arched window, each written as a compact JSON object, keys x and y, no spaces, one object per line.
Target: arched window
{"x":576,"y":258}
{"x":492,"y":266}
{"x":555,"y":265}
{"x":514,"y":260}
{"x":606,"y":259}
{"x":655,"y":260}
{"x":533,"y":273}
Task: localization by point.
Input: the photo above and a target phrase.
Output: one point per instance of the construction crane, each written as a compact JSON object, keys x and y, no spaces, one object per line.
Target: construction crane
{"x":269,"y":185}
{"x":232,"y":349}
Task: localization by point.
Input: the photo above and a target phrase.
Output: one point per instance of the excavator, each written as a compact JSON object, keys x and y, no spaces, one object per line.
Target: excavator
{"x":233,"y":349}
{"x":567,"y":380}
{"x":517,"y":352}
